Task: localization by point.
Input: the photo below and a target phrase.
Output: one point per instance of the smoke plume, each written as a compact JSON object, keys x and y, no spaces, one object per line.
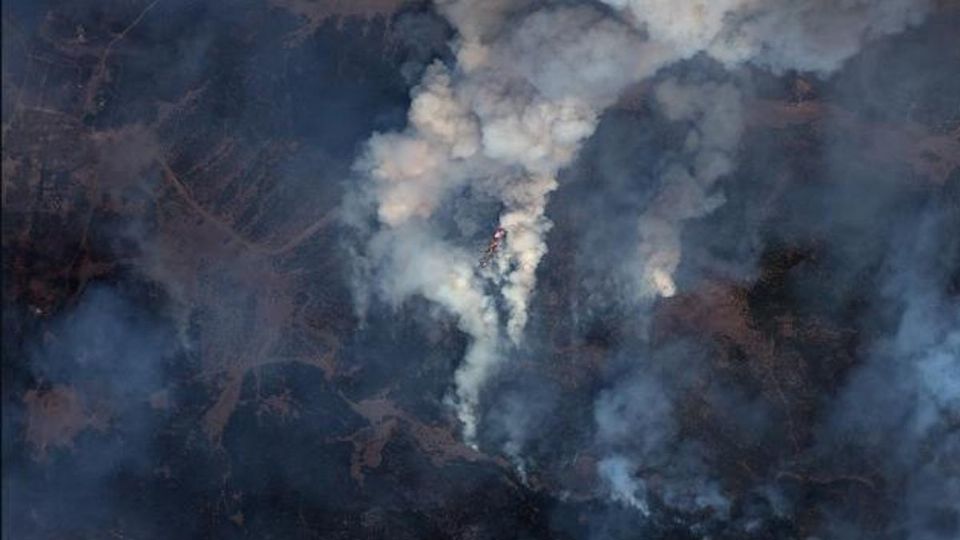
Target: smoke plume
{"x":503,"y":122}
{"x":529,"y":84}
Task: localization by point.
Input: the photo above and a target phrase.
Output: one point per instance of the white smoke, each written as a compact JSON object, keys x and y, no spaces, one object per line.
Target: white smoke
{"x":413,"y":171}
{"x":418,"y":263}
{"x":714,"y":113}
{"x":530,"y":81}
{"x":506,"y":119}
{"x":636,"y":430}
{"x":804,"y":35}
{"x":781,"y":35}
{"x":624,"y":486}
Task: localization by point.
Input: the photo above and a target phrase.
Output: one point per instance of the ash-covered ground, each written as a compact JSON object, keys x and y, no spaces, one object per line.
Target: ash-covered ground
{"x":242,"y":295}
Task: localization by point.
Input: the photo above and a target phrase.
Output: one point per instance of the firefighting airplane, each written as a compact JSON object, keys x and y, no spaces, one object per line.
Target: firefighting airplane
{"x":498,"y":236}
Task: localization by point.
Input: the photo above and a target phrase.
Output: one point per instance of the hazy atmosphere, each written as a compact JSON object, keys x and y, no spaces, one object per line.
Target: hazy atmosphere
{"x":481,"y":269}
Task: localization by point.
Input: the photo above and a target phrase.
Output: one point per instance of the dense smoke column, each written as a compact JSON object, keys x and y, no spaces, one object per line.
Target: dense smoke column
{"x":500,"y":124}
{"x":529,"y":83}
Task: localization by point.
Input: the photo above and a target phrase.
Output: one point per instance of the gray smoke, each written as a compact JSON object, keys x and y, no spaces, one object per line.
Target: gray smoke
{"x":530,"y":82}
{"x":902,"y":407}
{"x":715,"y":116}
{"x":514,"y":110}
{"x":636,"y":427}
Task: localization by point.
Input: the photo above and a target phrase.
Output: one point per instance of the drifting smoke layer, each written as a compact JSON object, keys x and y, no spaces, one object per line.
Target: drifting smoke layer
{"x":421,"y":264}
{"x":811,"y":35}
{"x":530,"y":82}
{"x":902,"y":406}
{"x":715,"y":115}
{"x":505,"y":121}
{"x":635,"y":429}
{"x":806,"y":35}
